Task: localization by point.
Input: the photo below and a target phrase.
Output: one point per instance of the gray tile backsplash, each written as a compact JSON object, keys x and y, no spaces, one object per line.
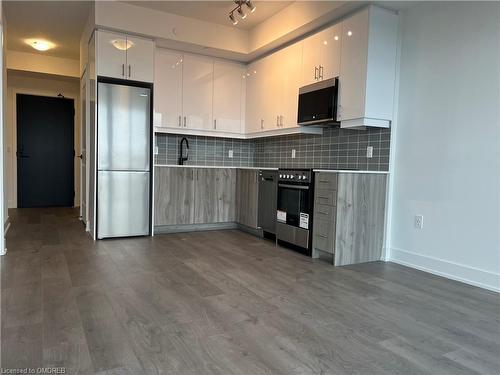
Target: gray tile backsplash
{"x":334,"y":149}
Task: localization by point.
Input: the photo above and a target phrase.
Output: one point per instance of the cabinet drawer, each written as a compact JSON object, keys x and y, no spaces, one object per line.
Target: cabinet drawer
{"x":328,"y":197}
{"x":323,"y":235}
{"x":326,"y":181}
{"x":324,"y":212}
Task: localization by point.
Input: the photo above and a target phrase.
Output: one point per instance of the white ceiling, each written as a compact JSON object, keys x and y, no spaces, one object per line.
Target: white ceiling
{"x":60,"y":22}
{"x":216,"y":11}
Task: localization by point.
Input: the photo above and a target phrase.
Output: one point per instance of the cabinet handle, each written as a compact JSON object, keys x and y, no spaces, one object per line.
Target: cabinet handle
{"x":281,"y":120}
{"x":262,"y":124}
{"x":215,"y":123}
{"x":184,"y":121}
{"x":320,"y":72}
{"x":123,"y":70}
{"x":316,"y":72}
{"x":129,"y":71}
{"x":180,"y":121}
{"x":278,"y":121}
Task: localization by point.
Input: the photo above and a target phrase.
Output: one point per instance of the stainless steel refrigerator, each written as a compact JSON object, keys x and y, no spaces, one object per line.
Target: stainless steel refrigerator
{"x":123,"y":160}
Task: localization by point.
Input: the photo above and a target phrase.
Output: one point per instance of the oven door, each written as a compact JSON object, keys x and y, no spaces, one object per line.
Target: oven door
{"x":294,"y":205}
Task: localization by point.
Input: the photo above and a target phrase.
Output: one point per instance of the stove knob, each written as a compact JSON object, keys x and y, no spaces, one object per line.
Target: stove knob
{"x":291,"y":176}
{"x":281,"y":176}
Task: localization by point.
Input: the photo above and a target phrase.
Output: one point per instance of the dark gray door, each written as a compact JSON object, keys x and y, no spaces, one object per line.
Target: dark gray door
{"x":45,"y":151}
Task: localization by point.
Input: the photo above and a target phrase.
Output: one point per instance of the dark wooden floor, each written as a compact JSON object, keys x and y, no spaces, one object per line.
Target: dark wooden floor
{"x":227,"y":303}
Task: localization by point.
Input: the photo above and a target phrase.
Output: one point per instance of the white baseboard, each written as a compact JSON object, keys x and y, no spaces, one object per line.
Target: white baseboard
{"x":451,"y":270}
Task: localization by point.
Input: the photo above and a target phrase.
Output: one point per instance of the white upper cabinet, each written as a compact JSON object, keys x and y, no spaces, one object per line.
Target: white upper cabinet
{"x":140,"y":59}
{"x":255,"y":101}
{"x":111,"y":54}
{"x":227,"y":103}
{"x":168,"y":89}
{"x":197,"y":93}
{"x":321,"y":55}
{"x":368,"y":69}
{"x":287,"y":71}
{"x":272,"y":90}
{"x":124,"y":57}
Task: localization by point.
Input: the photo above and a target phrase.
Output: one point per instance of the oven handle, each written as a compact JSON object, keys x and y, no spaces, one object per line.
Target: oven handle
{"x":298,"y":187}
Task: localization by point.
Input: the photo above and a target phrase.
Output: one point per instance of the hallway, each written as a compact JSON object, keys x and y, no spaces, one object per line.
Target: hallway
{"x":225,"y":302}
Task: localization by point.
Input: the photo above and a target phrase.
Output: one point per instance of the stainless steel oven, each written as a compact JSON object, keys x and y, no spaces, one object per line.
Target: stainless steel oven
{"x":295,"y":208}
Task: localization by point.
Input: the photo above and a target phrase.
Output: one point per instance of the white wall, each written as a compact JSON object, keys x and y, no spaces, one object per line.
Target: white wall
{"x":3,"y":191}
{"x":35,"y":62}
{"x":36,"y":84}
{"x":448,"y":142}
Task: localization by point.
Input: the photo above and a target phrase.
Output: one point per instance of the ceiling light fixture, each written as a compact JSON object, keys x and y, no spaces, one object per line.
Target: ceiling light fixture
{"x":233,"y":19}
{"x":242,"y":14}
{"x":40,"y":44}
{"x":251,"y":6}
{"x":122,"y":44}
{"x":239,"y":10}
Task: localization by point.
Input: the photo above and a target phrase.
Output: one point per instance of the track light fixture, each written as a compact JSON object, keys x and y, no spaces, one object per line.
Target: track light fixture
{"x":250,"y":6}
{"x":242,"y":14}
{"x":239,"y":9}
{"x":233,"y":19}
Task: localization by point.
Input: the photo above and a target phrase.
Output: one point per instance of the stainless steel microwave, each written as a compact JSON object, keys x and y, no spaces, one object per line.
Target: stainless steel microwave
{"x":318,"y":103}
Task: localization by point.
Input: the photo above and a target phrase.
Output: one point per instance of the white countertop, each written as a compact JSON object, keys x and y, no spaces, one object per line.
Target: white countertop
{"x":348,"y":171}
{"x":212,"y":166}
{"x":266,"y":168}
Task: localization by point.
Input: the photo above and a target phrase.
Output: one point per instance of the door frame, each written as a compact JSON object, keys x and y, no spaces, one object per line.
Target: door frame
{"x":14,"y":135}
{"x":84,"y":82}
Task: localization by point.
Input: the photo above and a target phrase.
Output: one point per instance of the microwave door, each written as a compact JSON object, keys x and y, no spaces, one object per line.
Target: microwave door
{"x":317,"y":103}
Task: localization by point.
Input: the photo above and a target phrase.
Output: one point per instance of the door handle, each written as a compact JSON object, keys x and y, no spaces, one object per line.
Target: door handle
{"x":80,"y":156}
{"x":20,"y":155}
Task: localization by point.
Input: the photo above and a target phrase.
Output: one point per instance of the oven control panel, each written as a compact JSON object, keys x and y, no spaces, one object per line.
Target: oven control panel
{"x":302,"y":176}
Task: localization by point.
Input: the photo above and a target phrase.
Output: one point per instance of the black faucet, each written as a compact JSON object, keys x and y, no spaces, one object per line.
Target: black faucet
{"x":182,"y":159}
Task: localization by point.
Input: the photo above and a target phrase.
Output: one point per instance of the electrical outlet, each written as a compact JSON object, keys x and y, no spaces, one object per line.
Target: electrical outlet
{"x":419,"y":222}
{"x":369,"y":152}
{"x":293,"y":154}
{"x":230,"y":154}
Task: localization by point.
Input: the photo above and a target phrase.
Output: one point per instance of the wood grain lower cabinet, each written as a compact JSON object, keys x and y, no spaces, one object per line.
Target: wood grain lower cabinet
{"x":194,"y":196}
{"x":225,"y":187}
{"x":174,"y":194}
{"x":349,"y":214}
{"x":247,"y":197}
{"x":205,"y":196}
{"x":359,"y":234}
